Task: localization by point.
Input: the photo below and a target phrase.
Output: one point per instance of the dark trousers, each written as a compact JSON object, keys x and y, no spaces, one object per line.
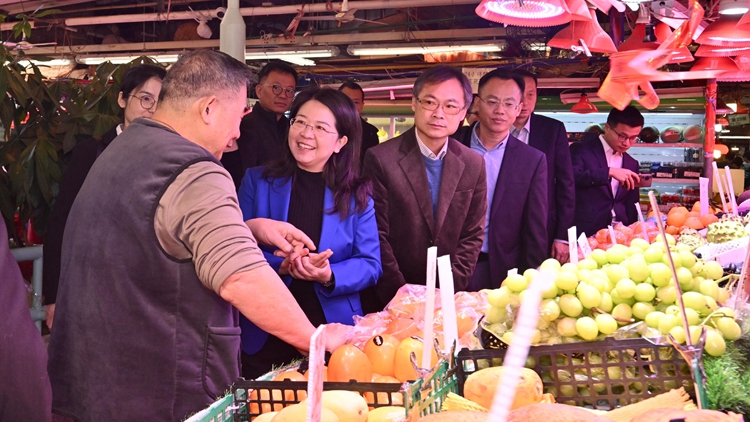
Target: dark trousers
{"x":480,"y":279}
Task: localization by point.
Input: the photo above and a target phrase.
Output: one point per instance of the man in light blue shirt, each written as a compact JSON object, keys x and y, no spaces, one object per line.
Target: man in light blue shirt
{"x":516,"y":219}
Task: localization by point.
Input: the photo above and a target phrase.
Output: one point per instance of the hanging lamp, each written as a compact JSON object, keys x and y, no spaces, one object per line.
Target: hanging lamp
{"x":734,"y":7}
{"x":584,"y":106}
{"x":744,"y":23}
{"x":716,"y":63}
{"x":584,"y":34}
{"x":714,"y":51}
{"x":723,"y":32}
{"x":635,"y":40}
{"x":531,"y":13}
{"x":722,"y":107}
{"x":742,"y":75}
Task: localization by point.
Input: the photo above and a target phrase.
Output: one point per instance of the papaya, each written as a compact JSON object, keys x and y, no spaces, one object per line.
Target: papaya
{"x":481,"y":385}
{"x":387,"y":414}
{"x":347,"y":405}
{"x":298,"y":413}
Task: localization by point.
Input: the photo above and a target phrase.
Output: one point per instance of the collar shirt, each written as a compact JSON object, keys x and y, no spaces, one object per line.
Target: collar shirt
{"x":428,"y":152}
{"x":523,"y":133}
{"x":493,"y":160}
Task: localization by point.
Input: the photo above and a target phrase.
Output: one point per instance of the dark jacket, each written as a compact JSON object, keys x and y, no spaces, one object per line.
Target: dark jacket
{"x":132,"y":320}
{"x":369,"y":138}
{"x":594,"y":199}
{"x":261,"y":141}
{"x":518,"y":214}
{"x":25,"y":393}
{"x":403,"y":209}
{"x":82,"y":158}
{"x":549,"y":136}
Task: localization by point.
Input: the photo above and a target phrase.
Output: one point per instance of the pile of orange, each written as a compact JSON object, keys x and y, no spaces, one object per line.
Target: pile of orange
{"x":679,"y":217}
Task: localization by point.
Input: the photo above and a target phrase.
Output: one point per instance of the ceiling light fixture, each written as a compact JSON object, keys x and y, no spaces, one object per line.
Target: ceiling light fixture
{"x":587,"y":35}
{"x":298,"y":56}
{"x":734,"y":7}
{"x":533,"y":13}
{"x":723,"y":32}
{"x":715,"y":63}
{"x":722,"y":107}
{"x":713,"y":51}
{"x":584,"y":106}
{"x":424,"y":48}
{"x":126,"y":58}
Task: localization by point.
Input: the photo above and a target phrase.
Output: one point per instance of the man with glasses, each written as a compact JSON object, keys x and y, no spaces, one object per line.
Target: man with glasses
{"x":515,"y":234}
{"x":606,"y":177}
{"x":429,"y":190}
{"x":263,"y":130}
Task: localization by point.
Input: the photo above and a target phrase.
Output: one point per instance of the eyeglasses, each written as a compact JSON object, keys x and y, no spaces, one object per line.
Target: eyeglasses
{"x":623,"y":137}
{"x":278,"y":89}
{"x":318,"y":130}
{"x":493,"y":104}
{"x":147,"y":101}
{"x":432,"y":105}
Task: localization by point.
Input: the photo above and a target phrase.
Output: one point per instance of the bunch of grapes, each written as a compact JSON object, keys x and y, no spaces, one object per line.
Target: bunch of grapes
{"x":618,"y":287}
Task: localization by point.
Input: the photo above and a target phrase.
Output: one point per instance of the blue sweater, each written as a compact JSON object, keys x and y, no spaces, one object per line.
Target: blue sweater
{"x":434,"y":175}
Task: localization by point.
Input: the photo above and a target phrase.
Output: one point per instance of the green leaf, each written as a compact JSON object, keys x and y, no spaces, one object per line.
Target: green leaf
{"x":45,"y":13}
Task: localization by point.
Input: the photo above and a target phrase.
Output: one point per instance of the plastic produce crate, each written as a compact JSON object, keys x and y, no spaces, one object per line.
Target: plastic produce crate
{"x":221,"y":411}
{"x":600,"y":375}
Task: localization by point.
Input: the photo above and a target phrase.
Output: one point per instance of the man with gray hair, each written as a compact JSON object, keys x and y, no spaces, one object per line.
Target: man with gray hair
{"x":156,"y":258}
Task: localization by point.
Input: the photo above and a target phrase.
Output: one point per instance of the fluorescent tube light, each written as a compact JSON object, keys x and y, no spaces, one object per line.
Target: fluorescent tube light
{"x":296,"y":56}
{"x":424,"y":48}
{"x":40,"y":63}
{"x":126,"y":58}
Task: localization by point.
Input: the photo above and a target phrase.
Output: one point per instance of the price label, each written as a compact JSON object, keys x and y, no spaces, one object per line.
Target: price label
{"x":448,"y":301}
{"x":583,"y":243}
{"x":612,"y":235}
{"x":704,"y":195}
{"x":315,"y":380}
{"x":572,"y":245}
{"x":429,"y":316}
{"x":512,"y":271}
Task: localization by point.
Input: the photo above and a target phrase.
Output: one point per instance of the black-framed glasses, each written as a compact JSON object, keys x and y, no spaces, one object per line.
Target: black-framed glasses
{"x":493,"y":104}
{"x":278,"y":89}
{"x":623,"y":137}
{"x":147,"y":101}
{"x":432,"y":105}
{"x":318,"y":130}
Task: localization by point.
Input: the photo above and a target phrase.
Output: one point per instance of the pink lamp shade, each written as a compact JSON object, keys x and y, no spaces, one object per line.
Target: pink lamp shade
{"x":722,"y":107}
{"x":744,"y":23}
{"x":584,"y":106}
{"x":715,"y":63}
{"x":742,"y":75}
{"x":635,"y":40}
{"x":579,"y":10}
{"x":533,"y":13}
{"x":589,"y":32}
{"x":723,"y":32}
{"x":681,"y":55}
{"x":714,"y":51}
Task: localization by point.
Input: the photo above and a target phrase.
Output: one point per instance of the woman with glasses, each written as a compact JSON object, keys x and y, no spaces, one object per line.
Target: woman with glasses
{"x":139,"y":91}
{"x":316,"y":186}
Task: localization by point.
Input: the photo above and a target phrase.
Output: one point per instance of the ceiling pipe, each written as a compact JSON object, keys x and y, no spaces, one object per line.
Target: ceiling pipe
{"x":263,"y":11}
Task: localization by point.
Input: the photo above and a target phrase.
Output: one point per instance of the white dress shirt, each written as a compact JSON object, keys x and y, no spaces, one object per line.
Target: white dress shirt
{"x":427,"y":152}
{"x":614,"y":160}
{"x":523,"y":133}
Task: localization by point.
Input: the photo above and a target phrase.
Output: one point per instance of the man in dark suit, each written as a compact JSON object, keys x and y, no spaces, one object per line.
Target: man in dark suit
{"x":263,"y":130}
{"x":516,"y":229}
{"x":429,"y":190}
{"x":549,"y":136}
{"x":606,"y":176}
{"x":369,"y":132}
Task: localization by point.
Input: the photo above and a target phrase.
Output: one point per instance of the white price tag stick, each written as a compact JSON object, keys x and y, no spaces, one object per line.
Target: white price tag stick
{"x":512,"y":271}
{"x":704,"y":195}
{"x":612,"y":234}
{"x":720,"y":184}
{"x":429,"y":316}
{"x":315,"y":380}
{"x":572,"y":245}
{"x":448,"y":303}
{"x":640,"y":218}
{"x":730,"y":190}
{"x":583,"y":242}
{"x":518,"y":350}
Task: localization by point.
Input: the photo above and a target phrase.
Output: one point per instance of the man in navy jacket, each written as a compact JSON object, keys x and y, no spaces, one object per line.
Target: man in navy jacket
{"x":606,"y":175}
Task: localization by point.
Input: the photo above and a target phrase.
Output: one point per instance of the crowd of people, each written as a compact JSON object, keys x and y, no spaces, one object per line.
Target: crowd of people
{"x":206,"y":242}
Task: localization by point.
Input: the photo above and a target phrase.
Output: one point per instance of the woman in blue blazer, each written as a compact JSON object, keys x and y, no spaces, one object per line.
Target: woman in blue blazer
{"x":317,"y":188}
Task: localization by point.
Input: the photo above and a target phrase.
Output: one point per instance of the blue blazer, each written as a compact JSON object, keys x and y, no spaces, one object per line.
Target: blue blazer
{"x":353,"y":240}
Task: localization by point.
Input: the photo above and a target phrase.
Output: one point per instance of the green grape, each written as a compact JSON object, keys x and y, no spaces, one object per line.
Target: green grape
{"x":614,"y":372}
{"x":713,"y":270}
{"x":542,"y":324}
{"x":710,"y":288}
{"x":692,"y":316}
{"x":667,"y":322}
{"x":498,"y":328}
{"x":653,"y":254}
{"x":715,"y":344}
{"x":584,"y":275}
{"x":516,"y":283}
{"x":694,"y":300}
{"x":617,"y":253}
{"x":678,"y":333}
{"x":675,"y":258}
{"x":723,"y":295}
{"x":551,"y":292}
{"x":725,"y":311}
{"x":570,"y":305}
{"x":642,"y":309}
{"x":600,"y":284}
{"x":625,"y":288}
{"x":507,"y":337}
{"x":688,"y":259}
{"x":697,"y":269}
{"x":499,"y":297}
{"x":616,"y":299}
{"x":644,"y":292}
{"x":661,"y":306}
{"x":638,"y":270}
{"x":606,"y":304}
{"x":616,"y":272}
{"x":667,"y":294}
{"x":549,"y":310}
{"x":642,"y":244}
{"x":566,"y":280}
{"x":530,"y":274}
{"x":567,"y":327}
{"x":622,"y":311}
{"x":536,"y":337}
{"x":495,"y":314}
{"x":599,"y":256}
{"x":729,"y":328}
{"x":606,"y":324}
{"x":550,"y":264}
{"x":660,"y":274}
{"x":652,"y":319}
{"x":588,"y":296}
{"x":684,"y":276}
{"x":711,"y":305}
{"x":570,"y":267}
{"x":587,"y":328}
{"x":673,"y":310}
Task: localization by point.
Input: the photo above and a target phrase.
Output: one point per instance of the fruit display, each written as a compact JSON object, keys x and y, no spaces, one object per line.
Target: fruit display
{"x":622,"y":289}
{"x":728,"y":228}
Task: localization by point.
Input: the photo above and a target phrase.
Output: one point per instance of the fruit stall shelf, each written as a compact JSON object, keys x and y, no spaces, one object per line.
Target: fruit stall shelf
{"x":601,"y":375}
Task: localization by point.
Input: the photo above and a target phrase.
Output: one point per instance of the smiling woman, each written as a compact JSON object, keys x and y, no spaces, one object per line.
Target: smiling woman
{"x":316,"y":186}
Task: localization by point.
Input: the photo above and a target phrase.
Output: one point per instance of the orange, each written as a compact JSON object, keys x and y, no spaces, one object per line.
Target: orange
{"x":708,"y":219}
{"x":673,"y":230}
{"x":697,"y":206}
{"x":325,"y":374}
{"x":349,"y":363}
{"x":402,"y":363}
{"x":694,"y":214}
{"x":694,"y":223}
{"x":681,"y":210}
{"x":397,"y":399}
{"x":381,"y":350}
{"x":289,"y":394}
{"x":676,"y":219}
{"x":465,"y":323}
